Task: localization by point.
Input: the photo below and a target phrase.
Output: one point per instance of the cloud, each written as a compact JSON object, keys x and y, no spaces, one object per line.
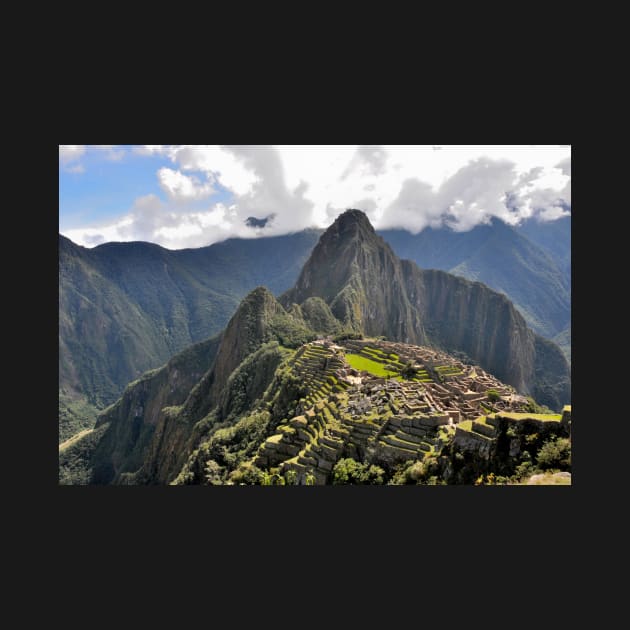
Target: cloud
{"x":70,"y":153}
{"x":565,"y":166}
{"x":149,"y":149}
{"x":269,"y":192}
{"x":482,"y":189}
{"x":397,"y":186}
{"x":110,"y":152}
{"x":172,"y":226}
{"x":183,"y":187}
{"x":220,"y":164}
{"x":368,"y":160}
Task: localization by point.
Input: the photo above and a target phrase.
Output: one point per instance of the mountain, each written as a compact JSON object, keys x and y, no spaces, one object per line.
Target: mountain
{"x":125,"y":308}
{"x":361,"y":279}
{"x":128,"y":307}
{"x":146,"y":435}
{"x":531,"y":274}
{"x":552,"y":236}
{"x":263,"y":401}
{"x":369,"y":289}
{"x":310,"y":412}
{"x":125,"y":429}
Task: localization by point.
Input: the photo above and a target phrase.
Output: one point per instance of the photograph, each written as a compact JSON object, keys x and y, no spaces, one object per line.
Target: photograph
{"x":314,"y":315}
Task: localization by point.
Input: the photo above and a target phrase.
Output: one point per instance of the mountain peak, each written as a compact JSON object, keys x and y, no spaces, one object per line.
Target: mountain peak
{"x":358,"y":276}
{"x":352,"y":221}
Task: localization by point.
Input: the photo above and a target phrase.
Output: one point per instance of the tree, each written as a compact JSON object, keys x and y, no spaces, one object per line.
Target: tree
{"x":493,"y":395}
{"x":212,"y":473}
{"x":555,"y":453}
{"x":349,"y":471}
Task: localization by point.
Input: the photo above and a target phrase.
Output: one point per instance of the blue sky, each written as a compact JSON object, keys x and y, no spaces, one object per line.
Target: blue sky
{"x":193,"y":195}
{"x":107,"y":185}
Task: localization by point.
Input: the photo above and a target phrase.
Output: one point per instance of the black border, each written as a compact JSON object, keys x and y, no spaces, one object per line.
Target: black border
{"x":351,"y":521}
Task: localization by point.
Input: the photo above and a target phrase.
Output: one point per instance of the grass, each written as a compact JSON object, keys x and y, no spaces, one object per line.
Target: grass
{"x":371,"y":350}
{"x":359,"y":362}
{"x":466,"y":425}
{"x":274,"y":439}
{"x":545,"y":417}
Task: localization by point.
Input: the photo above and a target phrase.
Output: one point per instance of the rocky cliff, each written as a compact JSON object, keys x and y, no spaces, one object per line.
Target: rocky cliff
{"x":356,"y":273}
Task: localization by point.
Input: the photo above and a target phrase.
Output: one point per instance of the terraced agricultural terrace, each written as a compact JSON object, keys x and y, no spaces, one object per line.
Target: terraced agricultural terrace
{"x":382,"y":402}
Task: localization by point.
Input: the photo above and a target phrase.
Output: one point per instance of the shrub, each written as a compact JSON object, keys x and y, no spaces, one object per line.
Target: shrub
{"x":523,"y":470}
{"x":555,"y":453}
{"x":349,"y":471}
{"x":247,"y":474}
{"x":493,"y":395}
{"x":412,"y":473}
{"x":213,"y":473}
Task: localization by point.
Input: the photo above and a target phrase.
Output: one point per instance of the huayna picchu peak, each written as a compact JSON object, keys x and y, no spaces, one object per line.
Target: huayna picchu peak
{"x":368,"y":370}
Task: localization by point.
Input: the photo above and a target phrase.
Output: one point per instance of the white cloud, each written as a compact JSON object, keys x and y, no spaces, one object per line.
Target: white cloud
{"x":69,"y":156}
{"x":223,"y":165}
{"x":368,"y":160}
{"x":482,"y":189}
{"x":70,"y":152}
{"x":149,"y":149}
{"x":109,"y":151}
{"x":409,"y":187}
{"x":151,"y":219}
{"x":183,"y":187}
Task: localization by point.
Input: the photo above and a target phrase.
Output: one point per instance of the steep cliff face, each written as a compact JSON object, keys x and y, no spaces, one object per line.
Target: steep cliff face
{"x":356,"y":273}
{"x":465,"y":316}
{"x":503,"y":258}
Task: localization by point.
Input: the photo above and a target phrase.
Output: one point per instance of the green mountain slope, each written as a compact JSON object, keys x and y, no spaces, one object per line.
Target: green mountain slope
{"x":127,"y":307}
{"x":151,"y":428}
{"x":554,"y":237}
{"x":125,"y":429}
